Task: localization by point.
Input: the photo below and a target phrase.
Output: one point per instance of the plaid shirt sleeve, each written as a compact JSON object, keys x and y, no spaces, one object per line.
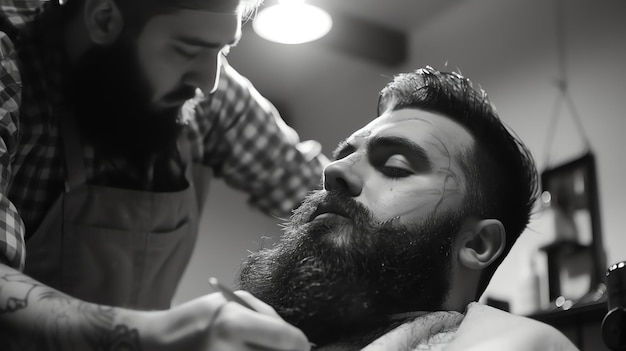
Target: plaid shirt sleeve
{"x":12,"y":247}
{"x":254,"y":150}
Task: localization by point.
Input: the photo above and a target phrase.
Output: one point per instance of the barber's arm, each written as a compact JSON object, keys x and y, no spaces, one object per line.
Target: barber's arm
{"x":36,"y":317}
{"x":250,"y":146}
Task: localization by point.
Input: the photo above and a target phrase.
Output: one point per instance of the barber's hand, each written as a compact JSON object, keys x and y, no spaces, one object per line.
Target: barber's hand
{"x":211,"y":323}
{"x":236,"y":327}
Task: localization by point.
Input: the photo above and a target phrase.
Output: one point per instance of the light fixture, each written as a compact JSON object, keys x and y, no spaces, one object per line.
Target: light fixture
{"x":292,"y":22}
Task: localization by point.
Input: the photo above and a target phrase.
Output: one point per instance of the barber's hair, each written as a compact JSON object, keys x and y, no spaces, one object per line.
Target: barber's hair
{"x":501,"y":173}
{"x":249,"y":7}
{"x":144,"y":9}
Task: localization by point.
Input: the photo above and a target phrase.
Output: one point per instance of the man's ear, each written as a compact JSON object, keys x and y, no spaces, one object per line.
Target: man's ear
{"x":481,"y":243}
{"x":103,"y":20}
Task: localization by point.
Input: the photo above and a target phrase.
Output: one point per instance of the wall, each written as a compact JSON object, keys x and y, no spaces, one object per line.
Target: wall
{"x":507,"y":47}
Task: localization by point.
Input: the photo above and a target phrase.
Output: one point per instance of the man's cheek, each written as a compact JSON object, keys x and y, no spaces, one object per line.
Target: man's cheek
{"x":406,"y":206}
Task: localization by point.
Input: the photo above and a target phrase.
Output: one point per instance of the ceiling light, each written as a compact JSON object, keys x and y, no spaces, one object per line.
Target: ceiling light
{"x":292,"y":22}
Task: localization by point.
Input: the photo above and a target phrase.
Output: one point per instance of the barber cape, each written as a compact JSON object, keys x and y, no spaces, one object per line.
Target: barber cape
{"x":480,"y":328}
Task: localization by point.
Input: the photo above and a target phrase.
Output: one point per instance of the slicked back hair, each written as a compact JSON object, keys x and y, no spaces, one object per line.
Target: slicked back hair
{"x":500,"y":170}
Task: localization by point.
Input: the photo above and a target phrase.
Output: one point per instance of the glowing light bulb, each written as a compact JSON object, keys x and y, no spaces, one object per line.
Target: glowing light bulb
{"x":292,"y":22}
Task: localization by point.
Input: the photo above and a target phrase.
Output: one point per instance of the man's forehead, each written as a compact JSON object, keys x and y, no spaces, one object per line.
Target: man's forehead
{"x":411,"y":124}
{"x":195,"y":27}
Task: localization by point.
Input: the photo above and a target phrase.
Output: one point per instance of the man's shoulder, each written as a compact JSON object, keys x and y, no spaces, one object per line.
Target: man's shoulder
{"x":479,"y":312}
{"x":488,"y":328}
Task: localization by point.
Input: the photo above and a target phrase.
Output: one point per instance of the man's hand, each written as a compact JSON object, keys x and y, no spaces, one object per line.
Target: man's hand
{"x":213,"y":323}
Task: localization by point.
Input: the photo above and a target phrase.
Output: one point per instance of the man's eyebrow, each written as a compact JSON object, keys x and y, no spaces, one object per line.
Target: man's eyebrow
{"x":414,"y":152}
{"x":343,"y":149}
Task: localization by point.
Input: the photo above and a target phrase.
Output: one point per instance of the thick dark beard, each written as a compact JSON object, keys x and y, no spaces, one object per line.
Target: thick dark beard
{"x":330,"y":291}
{"x":111,"y":96}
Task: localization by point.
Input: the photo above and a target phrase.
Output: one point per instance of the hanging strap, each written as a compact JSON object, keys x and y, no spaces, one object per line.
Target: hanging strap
{"x":564,"y":96}
{"x":73,"y":151}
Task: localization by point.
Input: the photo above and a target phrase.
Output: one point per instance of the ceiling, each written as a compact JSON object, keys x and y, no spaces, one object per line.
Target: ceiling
{"x":398,"y":14}
{"x":369,"y":38}
{"x":375,"y":30}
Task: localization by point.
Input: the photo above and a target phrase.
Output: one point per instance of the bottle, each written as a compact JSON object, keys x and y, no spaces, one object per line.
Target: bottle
{"x":530,"y":301}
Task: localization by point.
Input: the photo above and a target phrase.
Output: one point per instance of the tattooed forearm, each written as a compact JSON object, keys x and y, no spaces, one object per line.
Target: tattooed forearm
{"x":122,"y":338}
{"x":109,"y":336}
{"x":36,"y":317}
{"x":14,"y":292}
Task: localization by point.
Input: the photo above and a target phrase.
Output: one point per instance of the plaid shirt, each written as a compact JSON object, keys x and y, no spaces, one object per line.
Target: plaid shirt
{"x":235,"y":132}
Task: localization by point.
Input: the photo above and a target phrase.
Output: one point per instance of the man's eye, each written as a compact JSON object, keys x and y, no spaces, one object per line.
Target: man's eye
{"x":397,"y":166}
{"x":185,"y":52}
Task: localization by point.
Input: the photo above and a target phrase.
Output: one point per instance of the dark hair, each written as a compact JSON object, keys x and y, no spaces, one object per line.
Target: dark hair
{"x":500,"y":170}
{"x":142,"y":10}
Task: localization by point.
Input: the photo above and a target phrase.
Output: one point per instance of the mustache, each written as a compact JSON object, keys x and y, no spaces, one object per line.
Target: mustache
{"x":328,"y":239}
{"x":323,"y":201}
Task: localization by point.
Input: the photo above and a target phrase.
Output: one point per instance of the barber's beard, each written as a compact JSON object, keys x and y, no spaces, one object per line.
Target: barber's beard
{"x":111,"y":95}
{"x":330,"y":290}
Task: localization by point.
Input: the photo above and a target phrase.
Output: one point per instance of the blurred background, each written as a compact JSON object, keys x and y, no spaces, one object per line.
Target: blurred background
{"x":519,"y":51}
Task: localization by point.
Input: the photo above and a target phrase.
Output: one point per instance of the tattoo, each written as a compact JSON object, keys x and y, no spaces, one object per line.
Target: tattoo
{"x":20,"y":286}
{"x":450,"y":176}
{"x":36,"y":317}
{"x":123,"y":339}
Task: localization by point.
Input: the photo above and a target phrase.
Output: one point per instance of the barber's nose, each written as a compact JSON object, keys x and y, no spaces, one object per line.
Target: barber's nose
{"x":206,"y":73}
{"x":340,"y":176}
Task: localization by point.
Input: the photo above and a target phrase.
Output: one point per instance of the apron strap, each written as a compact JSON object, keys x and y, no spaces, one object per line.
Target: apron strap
{"x":72,"y":148}
{"x":184,"y":152}
{"x":197,"y":175}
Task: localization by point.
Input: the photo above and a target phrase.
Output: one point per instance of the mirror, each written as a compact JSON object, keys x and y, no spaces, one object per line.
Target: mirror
{"x":575,"y":259}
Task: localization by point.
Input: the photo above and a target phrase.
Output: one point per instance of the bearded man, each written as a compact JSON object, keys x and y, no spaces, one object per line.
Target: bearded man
{"x":418,"y":210}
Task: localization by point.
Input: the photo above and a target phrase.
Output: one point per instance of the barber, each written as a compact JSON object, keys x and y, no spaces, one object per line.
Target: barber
{"x":115,"y":115}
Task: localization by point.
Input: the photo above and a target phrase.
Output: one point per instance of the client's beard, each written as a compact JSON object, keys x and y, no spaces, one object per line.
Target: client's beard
{"x":111,"y":95}
{"x":330,"y":290}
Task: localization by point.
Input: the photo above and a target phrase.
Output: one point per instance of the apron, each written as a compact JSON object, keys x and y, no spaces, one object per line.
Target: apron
{"x":115,"y":246}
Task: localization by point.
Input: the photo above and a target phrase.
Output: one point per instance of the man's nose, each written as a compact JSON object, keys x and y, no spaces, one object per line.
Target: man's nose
{"x":340,"y":176}
{"x":205,"y":73}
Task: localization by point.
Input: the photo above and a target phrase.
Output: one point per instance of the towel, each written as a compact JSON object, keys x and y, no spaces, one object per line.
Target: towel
{"x":479,"y":328}
{"x":428,"y":332}
{"x":486,"y":328}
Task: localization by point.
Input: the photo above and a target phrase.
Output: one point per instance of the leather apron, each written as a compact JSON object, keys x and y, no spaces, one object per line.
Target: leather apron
{"x":115,"y":246}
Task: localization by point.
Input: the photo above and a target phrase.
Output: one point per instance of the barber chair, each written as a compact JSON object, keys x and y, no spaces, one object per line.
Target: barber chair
{"x":614,"y":322}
